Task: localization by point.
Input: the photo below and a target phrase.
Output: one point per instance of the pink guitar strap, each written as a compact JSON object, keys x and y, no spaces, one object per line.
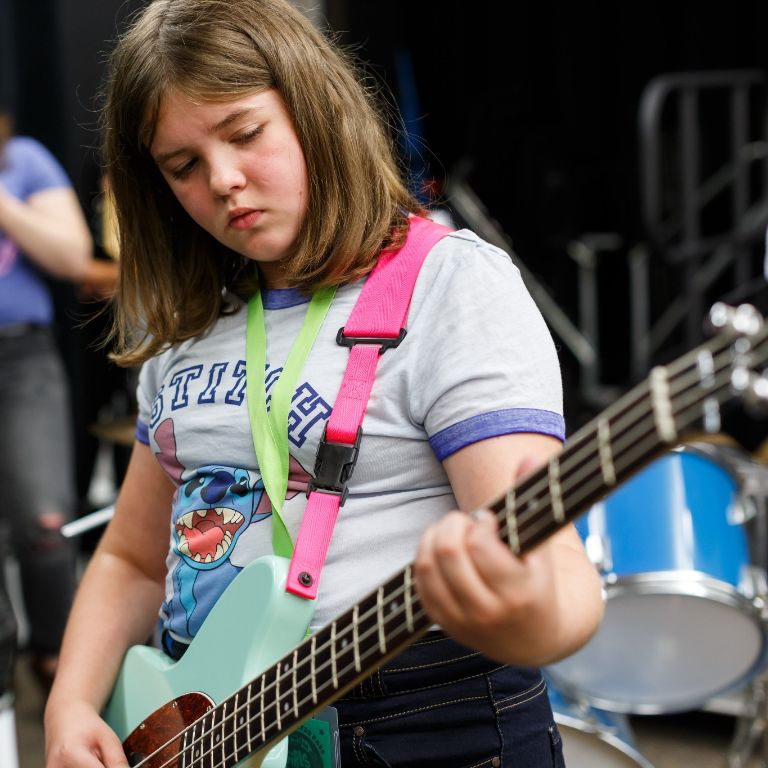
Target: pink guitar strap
{"x":377,"y":323}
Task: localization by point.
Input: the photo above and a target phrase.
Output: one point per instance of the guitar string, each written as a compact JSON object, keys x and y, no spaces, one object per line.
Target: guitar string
{"x":203,"y":735}
{"x":276,"y":703}
{"x":695,"y":398}
{"x":233,"y":735}
{"x":418,"y":614}
{"x":689,"y":380}
{"x":375,"y":629}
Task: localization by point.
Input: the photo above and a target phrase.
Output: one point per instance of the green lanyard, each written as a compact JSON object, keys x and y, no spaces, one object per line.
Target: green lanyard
{"x":270,"y":429}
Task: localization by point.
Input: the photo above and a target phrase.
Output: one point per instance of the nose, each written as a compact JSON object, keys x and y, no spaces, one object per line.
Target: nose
{"x":225,"y":177}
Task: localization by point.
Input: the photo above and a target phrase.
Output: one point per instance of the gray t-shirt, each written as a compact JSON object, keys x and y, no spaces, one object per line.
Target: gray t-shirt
{"x":477,"y":362}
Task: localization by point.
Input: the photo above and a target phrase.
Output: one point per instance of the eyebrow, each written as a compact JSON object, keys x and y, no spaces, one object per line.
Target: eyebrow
{"x":228,"y":120}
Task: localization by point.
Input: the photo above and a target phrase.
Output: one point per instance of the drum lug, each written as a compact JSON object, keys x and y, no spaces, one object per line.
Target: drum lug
{"x":741,"y":510}
{"x":754,"y":586}
{"x":598,"y":550}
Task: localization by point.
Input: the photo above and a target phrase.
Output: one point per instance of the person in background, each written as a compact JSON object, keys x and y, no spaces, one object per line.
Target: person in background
{"x":43,"y":235}
{"x":253,"y":173}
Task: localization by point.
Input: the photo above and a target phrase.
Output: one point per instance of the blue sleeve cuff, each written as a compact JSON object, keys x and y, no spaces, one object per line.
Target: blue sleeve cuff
{"x":494,"y":424}
{"x":142,"y":432}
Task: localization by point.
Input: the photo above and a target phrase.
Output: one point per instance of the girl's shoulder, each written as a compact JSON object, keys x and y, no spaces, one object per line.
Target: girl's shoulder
{"x":464,"y":267}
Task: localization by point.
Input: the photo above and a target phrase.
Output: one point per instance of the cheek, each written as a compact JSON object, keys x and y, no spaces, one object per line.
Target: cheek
{"x":192,"y":203}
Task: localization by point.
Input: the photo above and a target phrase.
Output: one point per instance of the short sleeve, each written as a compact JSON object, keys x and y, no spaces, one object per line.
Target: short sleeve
{"x":42,"y":170}
{"x":146,"y":393}
{"x":483,"y":362}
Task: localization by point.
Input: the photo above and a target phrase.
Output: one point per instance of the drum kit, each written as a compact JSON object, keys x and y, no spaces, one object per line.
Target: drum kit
{"x":682,"y":550}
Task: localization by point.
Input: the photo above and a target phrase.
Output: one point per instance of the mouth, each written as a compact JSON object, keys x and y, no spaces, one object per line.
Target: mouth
{"x":243,"y":218}
{"x":206,"y":535}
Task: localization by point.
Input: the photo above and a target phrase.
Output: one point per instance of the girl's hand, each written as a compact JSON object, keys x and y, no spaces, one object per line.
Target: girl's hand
{"x":530,"y":610}
{"x":472,"y":585}
{"x":76,"y":737}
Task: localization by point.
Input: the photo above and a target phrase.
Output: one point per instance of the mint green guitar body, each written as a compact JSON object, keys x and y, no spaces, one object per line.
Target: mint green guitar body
{"x":253,"y":624}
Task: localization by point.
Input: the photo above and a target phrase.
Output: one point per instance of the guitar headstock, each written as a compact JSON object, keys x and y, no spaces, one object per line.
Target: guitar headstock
{"x":748,"y":376}
{"x":738,"y":359}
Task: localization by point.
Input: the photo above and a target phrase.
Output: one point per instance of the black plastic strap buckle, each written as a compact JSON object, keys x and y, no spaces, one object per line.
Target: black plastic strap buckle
{"x":383,"y":342}
{"x":334,"y":465}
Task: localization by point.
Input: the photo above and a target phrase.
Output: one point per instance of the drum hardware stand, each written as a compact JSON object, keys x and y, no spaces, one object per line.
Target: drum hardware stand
{"x":751,"y":727}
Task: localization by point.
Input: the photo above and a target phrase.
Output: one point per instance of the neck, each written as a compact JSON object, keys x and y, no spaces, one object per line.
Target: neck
{"x":272,"y":276}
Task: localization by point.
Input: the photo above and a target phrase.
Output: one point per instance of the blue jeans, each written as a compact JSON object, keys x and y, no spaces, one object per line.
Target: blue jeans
{"x":37,"y":478}
{"x":441,"y":704}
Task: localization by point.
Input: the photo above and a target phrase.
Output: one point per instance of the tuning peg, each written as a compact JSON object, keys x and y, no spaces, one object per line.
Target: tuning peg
{"x":752,"y":388}
{"x":743,"y":320}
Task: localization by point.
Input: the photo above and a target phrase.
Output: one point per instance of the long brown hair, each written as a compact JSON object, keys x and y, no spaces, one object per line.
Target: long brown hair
{"x":172,"y":271}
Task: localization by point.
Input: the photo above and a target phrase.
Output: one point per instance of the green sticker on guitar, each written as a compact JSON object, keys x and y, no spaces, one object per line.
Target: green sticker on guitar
{"x":316,"y":743}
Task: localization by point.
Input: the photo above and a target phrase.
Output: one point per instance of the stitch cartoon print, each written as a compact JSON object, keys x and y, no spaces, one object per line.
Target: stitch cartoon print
{"x":212,"y":509}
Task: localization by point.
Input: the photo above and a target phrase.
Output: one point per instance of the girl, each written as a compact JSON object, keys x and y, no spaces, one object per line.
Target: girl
{"x":249,"y":165}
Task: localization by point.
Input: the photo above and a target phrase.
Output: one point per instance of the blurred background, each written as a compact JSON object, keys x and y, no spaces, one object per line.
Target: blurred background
{"x":618,"y":150}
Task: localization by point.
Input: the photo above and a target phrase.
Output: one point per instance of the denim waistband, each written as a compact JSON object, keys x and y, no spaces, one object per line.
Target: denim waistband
{"x":432,"y":661}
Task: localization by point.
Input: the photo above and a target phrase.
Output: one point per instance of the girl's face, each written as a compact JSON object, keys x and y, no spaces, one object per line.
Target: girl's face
{"x":238,"y":170}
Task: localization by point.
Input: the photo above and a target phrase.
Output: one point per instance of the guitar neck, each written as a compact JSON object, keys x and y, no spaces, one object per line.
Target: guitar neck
{"x":669,"y":407}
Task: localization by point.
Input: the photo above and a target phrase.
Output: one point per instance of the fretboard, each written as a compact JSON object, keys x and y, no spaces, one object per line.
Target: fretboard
{"x":675,"y":403}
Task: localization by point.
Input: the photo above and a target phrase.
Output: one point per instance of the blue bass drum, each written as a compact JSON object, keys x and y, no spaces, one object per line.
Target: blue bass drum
{"x":593,"y":737}
{"x":684,"y":606}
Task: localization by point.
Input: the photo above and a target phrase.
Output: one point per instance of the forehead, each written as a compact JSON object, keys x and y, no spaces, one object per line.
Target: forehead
{"x":180,"y":114}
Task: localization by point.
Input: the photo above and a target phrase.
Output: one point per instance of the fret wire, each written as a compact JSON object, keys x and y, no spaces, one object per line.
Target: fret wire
{"x":277,"y":695}
{"x":355,"y":638}
{"x":295,"y":686}
{"x":585,"y":451}
{"x":262,"y":710}
{"x":248,"y":717}
{"x":639,"y":451}
{"x":408,"y":605}
{"x":408,"y":599}
{"x":312,"y":652}
{"x":237,"y":725}
{"x":194,"y":740}
{"x":606,"y":453}
{"x":222,"y":735}
{"x":510,"y":512}
{"x":333,"y":656}
{"x":380,"y":619}
{"x":555,"y":491}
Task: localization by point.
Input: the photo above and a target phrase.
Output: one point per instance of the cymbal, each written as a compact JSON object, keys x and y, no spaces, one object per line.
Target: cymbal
{"x":120,"y":431}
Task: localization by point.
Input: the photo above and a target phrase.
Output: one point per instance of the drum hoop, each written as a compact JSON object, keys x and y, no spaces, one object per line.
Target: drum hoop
{"x":659,"y":582}
{"x":688,"y":583}
{"x":605,"y":736}
{"x":726,"y":456}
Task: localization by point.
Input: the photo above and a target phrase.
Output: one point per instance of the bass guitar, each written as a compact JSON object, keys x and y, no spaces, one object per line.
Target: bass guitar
{"x":249,"y":678}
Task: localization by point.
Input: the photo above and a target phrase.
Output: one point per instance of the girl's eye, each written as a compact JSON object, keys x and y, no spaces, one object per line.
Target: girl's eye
{"x":250,"y":135}
{"x":183,"y":171}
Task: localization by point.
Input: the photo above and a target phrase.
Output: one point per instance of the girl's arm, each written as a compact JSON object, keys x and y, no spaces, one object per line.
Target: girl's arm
{"x":116,"y":607}
{"x":50,"y":229}
{"x":531,"y":610}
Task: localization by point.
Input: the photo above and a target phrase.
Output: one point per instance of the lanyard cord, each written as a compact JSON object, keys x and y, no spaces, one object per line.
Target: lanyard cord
{"x":269,"y":428}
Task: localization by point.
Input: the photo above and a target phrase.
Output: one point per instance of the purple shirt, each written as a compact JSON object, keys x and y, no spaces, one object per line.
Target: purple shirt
{"x":26,"y":167}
